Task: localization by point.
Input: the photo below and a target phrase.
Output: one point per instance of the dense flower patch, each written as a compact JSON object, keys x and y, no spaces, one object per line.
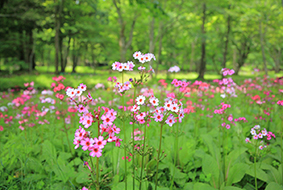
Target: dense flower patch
{"x":128,"y":135}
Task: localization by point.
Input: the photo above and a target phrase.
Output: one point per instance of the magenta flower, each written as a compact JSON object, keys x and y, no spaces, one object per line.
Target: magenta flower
{"x":87,"y":143}
{"x":100,"y":142}
{"x":95,"y":151}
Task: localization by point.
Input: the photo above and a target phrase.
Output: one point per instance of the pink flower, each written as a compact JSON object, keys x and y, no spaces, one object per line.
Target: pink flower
{"x":100,"y":142}
{"x":95,"y":151}
{"x":87,"y":143}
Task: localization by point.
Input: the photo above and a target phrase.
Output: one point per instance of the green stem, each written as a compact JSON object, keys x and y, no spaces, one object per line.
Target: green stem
{"x":124,"y":127}
{"x":158,"y":156}
{"x":281,"y":132}
{"x":92,"y":169}
{"x":97,"y":159}
{"x":143,"y":153}
{"x":133,"y":153}
{"x":97,"y":173}
{"x":255,"y":173}
{"x":176,"y":154}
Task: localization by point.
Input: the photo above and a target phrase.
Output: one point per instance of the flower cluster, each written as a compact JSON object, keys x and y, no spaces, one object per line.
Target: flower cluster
{"x":226,"y":71}
{"x":143,"y":57}
{"x":175,"y":69}
{"x":71,"y":92}
{"x":231,"y":121}
{"x":222,"y":109}
{"x":107,"y":128}
{"x":258,"y":134}
{"x":280,"y":102}
{"x":123,"y":87}
{"x":117,"y":66}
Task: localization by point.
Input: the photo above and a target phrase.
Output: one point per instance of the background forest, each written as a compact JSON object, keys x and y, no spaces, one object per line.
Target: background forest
{"x":197,"y":35}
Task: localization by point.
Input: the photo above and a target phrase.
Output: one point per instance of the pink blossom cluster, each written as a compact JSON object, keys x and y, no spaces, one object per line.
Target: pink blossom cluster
{"x":171,"y":107}
{"x":123,"y":87}
{"x":232,"y":121}
{"x":107,"y":129}
{"x":175,"y":69}
{"x":71,"y":92}
{"x":226,"y":71}
{"x":112,"y":79}
{"x":260,"y":134}
{"x":117,"y":66}
{"x":280,"y":102}
{"x":222,"y":109}
{"x":143,"y":57}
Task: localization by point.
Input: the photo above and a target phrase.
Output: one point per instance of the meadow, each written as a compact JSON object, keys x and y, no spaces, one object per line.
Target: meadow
{"x":127,"y":130}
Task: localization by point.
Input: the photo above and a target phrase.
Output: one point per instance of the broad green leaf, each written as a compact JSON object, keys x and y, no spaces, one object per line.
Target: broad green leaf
{"x":210,"y":166}
{"x":274,"y":186}
{"x":203,"y":186}
{"x":236,"y":173}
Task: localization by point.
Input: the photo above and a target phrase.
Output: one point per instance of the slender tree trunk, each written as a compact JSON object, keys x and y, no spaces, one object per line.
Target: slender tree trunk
{"x":57,"y":29}
{"x":193,"y":45}
{"x":151,"y":39}
{"x":61,"y":54}
{"x":160,"y":32}
{"x":31,"y":56}
{"x":67,"y":53}
{"x":58,"y":12}
{"x":262,"y":48}
{"x":124,"y":45}
{"x":75,"y":56}
{"x":202,"y":61}
{"x":226,"y":39}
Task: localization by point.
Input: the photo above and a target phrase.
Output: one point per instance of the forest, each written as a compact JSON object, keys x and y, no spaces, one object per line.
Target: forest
{"x":196,"y":35}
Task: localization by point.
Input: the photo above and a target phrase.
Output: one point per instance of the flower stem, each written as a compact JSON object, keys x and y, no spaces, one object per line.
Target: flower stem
{"x":124,"y":127}
{"x":143,"y":152}
{"x":97,"y":159}
{"x":133,"y":153}
{"x":176,"y":154}
{"x":256,"y":147}
{"x":158,"y":156}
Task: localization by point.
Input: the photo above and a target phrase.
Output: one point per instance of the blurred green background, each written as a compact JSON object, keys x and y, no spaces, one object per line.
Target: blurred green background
{"x":40,"y":38}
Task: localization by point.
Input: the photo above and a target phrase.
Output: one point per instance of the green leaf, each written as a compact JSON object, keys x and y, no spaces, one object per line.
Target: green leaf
{"x":82,"y":178}
{"x":236,"y":173}
{"x":203,"y":186}
{"x":260,"y":174}
{"x":273,"y":186}
{"x":231,"y":188}
{"x":210,"y":166}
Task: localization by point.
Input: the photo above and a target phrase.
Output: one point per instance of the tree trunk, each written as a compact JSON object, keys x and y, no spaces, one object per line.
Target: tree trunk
{"x":202,"y":61}
{"x":31,"y":56}
{"x":67,"y":53}
{"x":226,"y":40}
{"x":124,"y":45}
{"x":61,"y":54}
{"x":58,"y":11}
{"x":192,"y":56}
{"x":262,"y":48}
{"x":160,"y":32}
{"x":75,"y":57}
{"x":151,"y":39}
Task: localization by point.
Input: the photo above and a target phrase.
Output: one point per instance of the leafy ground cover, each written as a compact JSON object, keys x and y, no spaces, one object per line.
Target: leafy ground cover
{"x":213,"y":135}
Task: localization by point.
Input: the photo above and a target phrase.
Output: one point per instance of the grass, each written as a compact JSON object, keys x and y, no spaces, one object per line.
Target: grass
{"x":43,"y":77}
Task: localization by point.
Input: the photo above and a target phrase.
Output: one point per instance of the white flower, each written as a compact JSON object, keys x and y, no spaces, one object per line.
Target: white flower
{"x":70,"y":92}
{"x":154,"y":101}
{"x":137,"y":54}
{"x":142,"y":59}
{"x":168,"y":105}
{"x":135,"y":108}
{"x":257,"y":127}
{"x":78,"y":92}
{"x":140,"y":100}
{"x":175,"y":108}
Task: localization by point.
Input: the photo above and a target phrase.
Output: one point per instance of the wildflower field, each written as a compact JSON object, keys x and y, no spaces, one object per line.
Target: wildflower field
{"x":126,"y":134}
